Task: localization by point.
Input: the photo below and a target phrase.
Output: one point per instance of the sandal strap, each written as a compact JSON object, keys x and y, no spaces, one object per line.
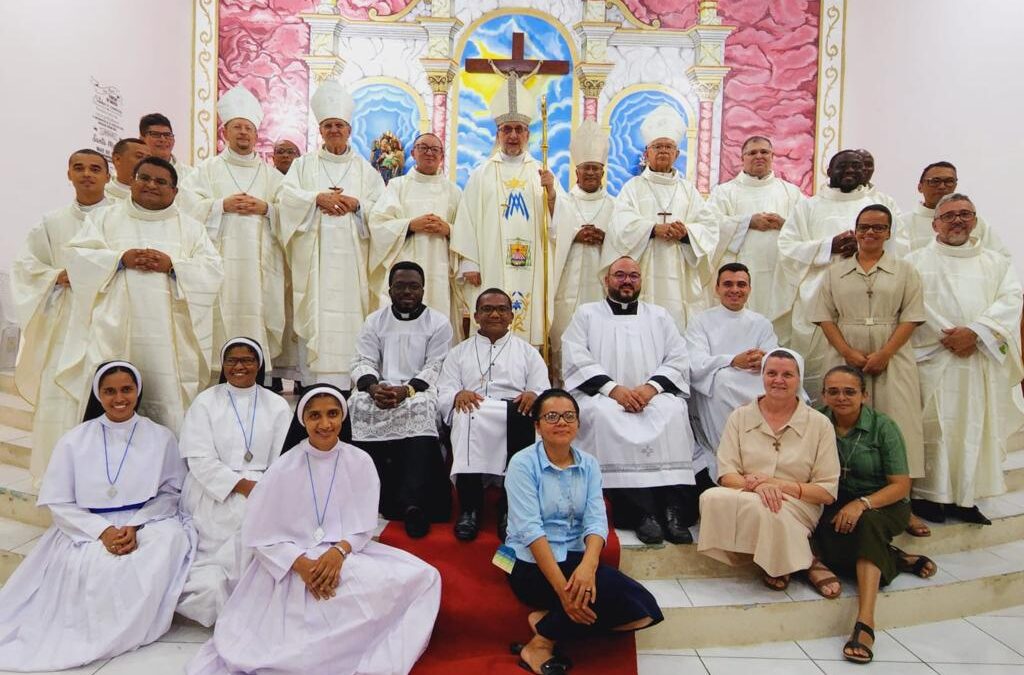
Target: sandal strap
{"x":861,"y":626}
{"x":922,"y":562}
{"x":854,"y":644}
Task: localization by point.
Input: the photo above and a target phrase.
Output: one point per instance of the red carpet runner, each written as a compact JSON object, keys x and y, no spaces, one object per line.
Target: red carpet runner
{"x":480,"y":616}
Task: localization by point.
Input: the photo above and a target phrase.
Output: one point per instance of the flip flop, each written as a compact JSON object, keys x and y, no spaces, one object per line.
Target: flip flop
{"x":855,"y":643}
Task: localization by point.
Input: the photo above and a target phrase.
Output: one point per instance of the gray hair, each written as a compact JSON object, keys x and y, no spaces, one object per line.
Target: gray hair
{"x":953,"y":197}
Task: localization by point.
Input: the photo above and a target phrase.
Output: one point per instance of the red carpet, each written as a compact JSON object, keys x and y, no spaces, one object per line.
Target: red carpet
{"x":480,"y":616}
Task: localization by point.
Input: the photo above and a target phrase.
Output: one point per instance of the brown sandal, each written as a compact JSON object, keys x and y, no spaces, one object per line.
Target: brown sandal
{"x":820,"y":584}
{"x":776,"y":583}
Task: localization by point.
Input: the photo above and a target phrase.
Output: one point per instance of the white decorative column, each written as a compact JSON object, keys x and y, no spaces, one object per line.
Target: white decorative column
{"x":441,"y":69}
{"x":323,"y":60}
{"x":594,"y":33}
{"x":707,"y":75}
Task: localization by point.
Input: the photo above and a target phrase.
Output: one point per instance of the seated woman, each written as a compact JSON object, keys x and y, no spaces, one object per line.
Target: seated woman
{"x":106,"y":576}
{"x":854,"y":535}
{"x":777,"y":465}
{"x":319,"y":596}
{"x":232,"y":432}
{"x":557,"y":527}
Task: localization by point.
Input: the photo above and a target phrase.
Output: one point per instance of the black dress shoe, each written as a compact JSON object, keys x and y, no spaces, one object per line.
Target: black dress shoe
{"x":675,"y":531}
{"x":502,"y":527}
{"x":466,"y":526}
{"x":276,"y":385}
{"x":649,"y":530}
{"x":968,"y":514}
{"x":416,"y":523}
{"x":930,"y":511}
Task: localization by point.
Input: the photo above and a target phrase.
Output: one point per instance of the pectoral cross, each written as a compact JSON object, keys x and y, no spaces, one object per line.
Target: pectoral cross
{"x":664,"y":216}
{"x":775,"y":444}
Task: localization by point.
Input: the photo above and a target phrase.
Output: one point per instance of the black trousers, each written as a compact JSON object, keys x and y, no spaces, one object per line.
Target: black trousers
{"x":630,"y":505}
{"x":412,"y":473}
{"x":691,"y":497}
{"x":620,"y":600}
{"x":519,"y":433}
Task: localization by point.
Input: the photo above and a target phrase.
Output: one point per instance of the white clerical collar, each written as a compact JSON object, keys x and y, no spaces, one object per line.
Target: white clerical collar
{"x":731,"y":314}
{"x":582,"y":195}
{"x":233,"y":157}
{"x":923,"y":210}
{"x":837,"y":195}
{"x":970,"y":249}
{"x":420,"y":177}
{"x":326,"y":154}
{"x":662,"y":178}
{"x":506,"y":337}
{"x":142,"y":213}
{"x":744,"y":178}
{"x":512,"y":159}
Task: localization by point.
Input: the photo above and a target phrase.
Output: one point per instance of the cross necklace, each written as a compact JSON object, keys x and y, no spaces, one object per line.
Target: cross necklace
{"x":663,"y":209}
{"x":485,"y":373}
{"x":227,"y":165}
{"x":335,"y":184}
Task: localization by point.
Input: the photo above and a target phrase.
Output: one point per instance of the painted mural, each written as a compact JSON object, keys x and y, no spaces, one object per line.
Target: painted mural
{"x":626,"y":149}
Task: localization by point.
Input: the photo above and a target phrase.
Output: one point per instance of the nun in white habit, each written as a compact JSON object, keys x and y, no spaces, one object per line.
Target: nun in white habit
{"x":231,"y":434}
{"x":319,"y":597}
{"x":105,"y":578}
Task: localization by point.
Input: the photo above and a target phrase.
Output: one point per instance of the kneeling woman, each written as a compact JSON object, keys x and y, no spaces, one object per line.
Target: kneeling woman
{"x":319,"y":596}
{"x":105,"y":577}
{"x":557,"y":526}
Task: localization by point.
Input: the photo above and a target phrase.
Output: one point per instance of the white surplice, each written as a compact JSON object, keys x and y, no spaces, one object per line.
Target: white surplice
{"x":163,"y":323}
{"x":918,"y":225}
{"x":328,"y":258}
{"x":43,"y":310}
{"x":407,"y":197}
{"x":713,"y":339}
{"x":969,"y":407}
{"x":498,"y":371}
{"x":381,"y":618}
{"x":647,"y":449}
{"x":217,"y":427}
{"x":71,"y":602}
{"x":674,"y":272}
{"x":395,"y":350}
{"x":116,"y":191}
{"x":251,"y":300}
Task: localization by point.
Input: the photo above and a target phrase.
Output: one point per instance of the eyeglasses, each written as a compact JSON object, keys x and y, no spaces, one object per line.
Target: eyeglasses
{"x":953,"y":215}
{"x":419,"y":147}
{"x":872,"y":227}
{"x":622,"y":276}
{"x":552,"y":417}
{"x":146,"y":178}
{"x":168,"y":135}
{"x":494,"y":309}
{"x":936,"y":182}
{"x":662,"y":147}
{"x":848,"y":392}
{"x":402,"y":286}
{"x":241,"y":361}
{"x":285,"y":151}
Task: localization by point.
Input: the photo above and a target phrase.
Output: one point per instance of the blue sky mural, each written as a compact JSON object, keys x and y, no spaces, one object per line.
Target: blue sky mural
{"x":627,"y":146}
{"x":380,"y":108}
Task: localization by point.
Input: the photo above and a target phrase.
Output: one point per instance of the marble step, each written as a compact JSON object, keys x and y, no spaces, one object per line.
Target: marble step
{"x":15,"y":412}
{"x":18,"y":497}
{"x":16,"y":540}
{"x":15,"y":447}
{"x":7,"y":382}
{"x":725,"y":612}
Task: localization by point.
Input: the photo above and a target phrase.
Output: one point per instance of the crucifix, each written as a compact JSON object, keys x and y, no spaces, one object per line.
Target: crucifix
{"x":518,"y":64}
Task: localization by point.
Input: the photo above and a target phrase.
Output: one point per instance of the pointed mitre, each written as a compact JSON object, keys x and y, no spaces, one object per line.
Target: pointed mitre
{"x":238,"y":102}
{"x":663,"y":122}
{"x":589,"y":144}
{"x":332,"y":101}
{"x":513,"y":103}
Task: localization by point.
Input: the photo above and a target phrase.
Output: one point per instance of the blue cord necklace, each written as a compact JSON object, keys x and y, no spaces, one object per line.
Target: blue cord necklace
{"x":112,"y":490}
{"x":318,"y":533}
{"x":252,"y":423}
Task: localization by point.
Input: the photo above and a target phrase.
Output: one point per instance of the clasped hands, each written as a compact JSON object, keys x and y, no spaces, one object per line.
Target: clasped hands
{"x":120,"y":540}
{"x":589,"y":234}
{"x":844,"y":244}
{"x":767,"y":488}
{"x":749,"y":360}
{"x":468,"y":401}
{"x":635,"y":399}
{"x":763,"y":222}
{"x":387,"y":397}
{"x":245,"y":205}
{"x":322,"y":575}
{"x":430,"y":224}
{"x":334,"y":203}
{"x":961,"y":340}
{"x":872,"y":364}
{"x":147,"y":260}
{"x":579,"y":593}
{"x":675,"y":230}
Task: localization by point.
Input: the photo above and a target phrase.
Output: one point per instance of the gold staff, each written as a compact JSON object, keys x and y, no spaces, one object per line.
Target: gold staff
{"x":544,"y":223}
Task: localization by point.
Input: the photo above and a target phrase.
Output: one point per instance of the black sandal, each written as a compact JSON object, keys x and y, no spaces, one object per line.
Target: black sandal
{"x":550,"y":667}
{"x":559,"y":657}
{"x":917,"y":567}
{"x":855,"y":643}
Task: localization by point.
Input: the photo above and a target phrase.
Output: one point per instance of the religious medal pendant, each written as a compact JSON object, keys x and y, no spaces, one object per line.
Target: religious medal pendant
{"x":112,"y":491}
{"x":248,"y":456}
{"x":318,"y":535}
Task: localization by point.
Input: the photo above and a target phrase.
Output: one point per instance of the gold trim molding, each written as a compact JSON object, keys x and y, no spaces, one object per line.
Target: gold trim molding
{"x":205,"y":33}
{"x":630,"y":17}
{"x":831,"y":80}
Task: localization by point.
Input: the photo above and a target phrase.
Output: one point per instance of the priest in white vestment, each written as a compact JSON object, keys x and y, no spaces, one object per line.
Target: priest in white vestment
{"x":155,"y":130}
{"x":105,"y":577}
{"x":487,"y":386}
{"x":413,"y":221}
{"x":394,"y":410}
{"x":498,"y":229}
{"x":324,"y":204}
{"x":125,"y":154}
{"x":969,"y":354}
{"x":658,"y":224}
{"x":145,"y":276}
{"x":819,"y":232}
{"x":286,"y":365}
{"x":232,"y":433}
{"x":626,"y":364}
{"x":232,"y":194}
{"x":580,"y":232}
{"x":42,"y":296}
{"x":725,"y":345}
{"x":750,"y":210}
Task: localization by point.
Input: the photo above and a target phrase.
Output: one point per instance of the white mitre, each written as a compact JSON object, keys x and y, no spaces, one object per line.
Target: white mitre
{"x":663,"y":122}
{"x":238,"y":102}
{"x":589,"y":144}
{"x":332,"y":101}
{"x":513,"y":103}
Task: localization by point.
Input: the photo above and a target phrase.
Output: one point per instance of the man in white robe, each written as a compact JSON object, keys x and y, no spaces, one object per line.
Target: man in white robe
{"x":286,"y":365}
{"x":750,"y":210}
{"x":580,"y":232}
{"x":155,"y":130}
{"x":658,"y":224}
{"x":231,"y":194}
{"x":819,"y":232}
{"x":126,"y":153}
{"x":725,"y":345}
{"x":413,"y":221}
{"x":285,"y":153}
{"x":394,"y":410}
{"x":969,"y":354}
{"x":626,"y":364}
{"x":487,"y":386}
{"x":498,"y":229}
{"x":146,"y":276}
{"x":42,"y":301}
{"x":323,"y":206}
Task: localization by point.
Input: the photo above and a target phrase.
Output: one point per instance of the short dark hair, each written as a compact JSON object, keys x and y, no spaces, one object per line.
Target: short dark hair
{"x":849,"y":370}
{"x":754,"y":139}
{"x":732,"y":267}
{"x":162,"y":163}
{"x":123,"y":144}
{"x":881,"y":208}
{"x":153,"y":120}
{"x":935,"y":165}
{"x":492,"y":291}
{"x":832,"y":161}
{"x":405,"y":265}
{"x":547,"y":394}
{"x":91,"y":152}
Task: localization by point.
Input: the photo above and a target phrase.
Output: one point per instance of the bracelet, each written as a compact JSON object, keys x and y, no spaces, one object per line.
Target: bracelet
{"x":867,"y":502}
{"x":342,"y":551}
{"x":800,"y":491}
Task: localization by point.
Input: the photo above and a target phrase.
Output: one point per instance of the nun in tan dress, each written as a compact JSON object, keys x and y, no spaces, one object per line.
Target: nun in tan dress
{"x":778,"y":465}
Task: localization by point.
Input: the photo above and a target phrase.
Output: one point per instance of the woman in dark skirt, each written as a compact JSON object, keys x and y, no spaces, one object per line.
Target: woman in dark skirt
{"x":854,"y":535}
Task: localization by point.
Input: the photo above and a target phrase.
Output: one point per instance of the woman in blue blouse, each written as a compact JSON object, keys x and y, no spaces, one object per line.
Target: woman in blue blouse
{"x":557,"y":526}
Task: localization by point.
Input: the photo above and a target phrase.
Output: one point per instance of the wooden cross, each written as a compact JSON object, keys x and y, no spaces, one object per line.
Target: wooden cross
{"x":664,"y":216}
{"x":518,"y":64}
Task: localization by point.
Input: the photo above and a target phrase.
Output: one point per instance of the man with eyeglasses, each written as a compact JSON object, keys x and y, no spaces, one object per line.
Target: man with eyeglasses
{"x":938,"y":180}
{"x":155,"y":130}
{"x":969,"y":357}
{"x":285,"y":152}
{"x":658,"y":224}
{"x":146,"y":278}
{"x":413,"y":221}
{"x":125,"y":154}
{"x":394,"y":409}
{"x":627,"y":365}
{"x":487,"y":386}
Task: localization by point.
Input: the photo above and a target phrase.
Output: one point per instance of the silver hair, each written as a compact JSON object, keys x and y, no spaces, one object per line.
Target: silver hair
{"x":953,"y":197}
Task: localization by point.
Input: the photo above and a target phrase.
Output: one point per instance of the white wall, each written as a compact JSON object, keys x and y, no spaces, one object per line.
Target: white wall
{"x":50,"y":52}
{"x":941,"y":79}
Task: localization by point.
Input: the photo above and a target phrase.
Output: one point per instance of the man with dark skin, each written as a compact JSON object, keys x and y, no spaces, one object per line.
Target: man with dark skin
{"x":846,"y":173}
{"x":285,"y":152}
{"x":154,"y":188}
